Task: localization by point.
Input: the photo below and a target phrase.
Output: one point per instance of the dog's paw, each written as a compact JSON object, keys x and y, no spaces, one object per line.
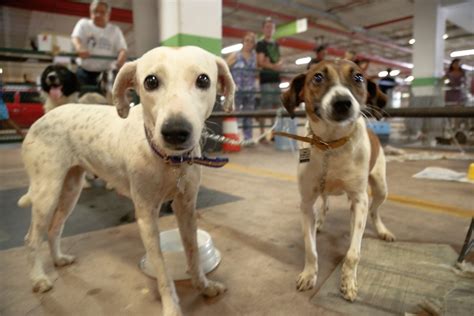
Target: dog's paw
{"x":42,"y":285}
{"x":172,"y":311}
{"x":349,"y":289}
{"x":319,"y":226}
{"x":64,"y":260}
{"x":214,"y":288}
{"x":387,"y":236}
{"x":306,"y":281}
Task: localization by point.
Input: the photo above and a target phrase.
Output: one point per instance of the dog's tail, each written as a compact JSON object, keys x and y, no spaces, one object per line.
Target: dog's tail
{"x":24,"y":201}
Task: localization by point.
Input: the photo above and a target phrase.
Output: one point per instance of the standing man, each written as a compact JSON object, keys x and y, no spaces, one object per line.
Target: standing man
{"x":95,"y":36}
{"x":268,"y":59}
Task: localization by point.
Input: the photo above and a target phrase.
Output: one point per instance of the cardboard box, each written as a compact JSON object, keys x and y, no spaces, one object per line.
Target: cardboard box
{"x":49,"y":42}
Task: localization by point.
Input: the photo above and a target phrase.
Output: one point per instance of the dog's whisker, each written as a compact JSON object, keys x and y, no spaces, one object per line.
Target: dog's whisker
{"x":366,"y":118}
{"x":379,"y":111}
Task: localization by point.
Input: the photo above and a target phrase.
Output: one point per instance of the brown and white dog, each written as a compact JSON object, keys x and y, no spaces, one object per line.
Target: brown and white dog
{"x":134,"y":152}
{"x":345,"y":158}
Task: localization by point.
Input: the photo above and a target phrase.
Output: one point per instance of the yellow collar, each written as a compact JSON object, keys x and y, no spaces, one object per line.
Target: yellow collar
{"x":317,"y":141}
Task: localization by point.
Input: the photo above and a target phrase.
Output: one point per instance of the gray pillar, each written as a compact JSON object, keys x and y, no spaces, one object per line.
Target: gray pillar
{"x":428,"y":56}
{"x":145,"y":25}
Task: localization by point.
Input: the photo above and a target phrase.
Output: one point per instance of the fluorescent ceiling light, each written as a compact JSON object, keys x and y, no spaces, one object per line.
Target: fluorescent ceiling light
{"x":394,"y":72}
{"x":232,"y":48}
{"x":461,"y":53}
{"x":303,"y":61}
{"x":467,"y":67}
{"x":284,"y":85}
{"x":383,"y":74}
{"x":412,"y":41}
{"x":409,"y":78}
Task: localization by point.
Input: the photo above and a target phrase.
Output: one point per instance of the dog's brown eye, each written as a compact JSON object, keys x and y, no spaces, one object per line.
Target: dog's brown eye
{"x":151,"y":82}
{"x":203,"y":81}
{"x":358,"y":78}
{"x":318,"y":78}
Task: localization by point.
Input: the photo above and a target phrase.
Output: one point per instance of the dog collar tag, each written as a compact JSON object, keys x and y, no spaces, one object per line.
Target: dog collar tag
{"x":305,"y":153}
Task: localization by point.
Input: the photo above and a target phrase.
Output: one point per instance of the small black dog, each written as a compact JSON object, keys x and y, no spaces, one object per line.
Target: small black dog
{"x":61,"y":86}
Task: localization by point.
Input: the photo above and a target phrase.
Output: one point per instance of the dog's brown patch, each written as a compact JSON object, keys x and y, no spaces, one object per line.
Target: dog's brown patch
{"x":374,"y":148}
{"x":335,"y":185}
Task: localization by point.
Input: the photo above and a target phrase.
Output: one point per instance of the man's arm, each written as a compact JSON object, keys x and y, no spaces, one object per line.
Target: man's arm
{"x":81,"y":51}
{"x":264,"y":62}
{"x":76,"y":35}
{"x":122,"y":57}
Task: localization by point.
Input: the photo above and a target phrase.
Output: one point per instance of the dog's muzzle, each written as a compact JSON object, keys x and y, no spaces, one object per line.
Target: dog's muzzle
{"x":53,"y":80}
{"x":341,"y":108}
{"x":177,"y":132}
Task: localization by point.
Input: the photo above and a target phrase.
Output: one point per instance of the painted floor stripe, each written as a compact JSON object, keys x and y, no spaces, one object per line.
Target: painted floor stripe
{"x":421,"y":204}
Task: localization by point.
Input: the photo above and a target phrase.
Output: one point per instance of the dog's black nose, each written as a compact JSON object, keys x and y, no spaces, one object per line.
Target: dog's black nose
{"x":176,"y":131}
{"x":341,"y":109}
{"x":342,"y":106}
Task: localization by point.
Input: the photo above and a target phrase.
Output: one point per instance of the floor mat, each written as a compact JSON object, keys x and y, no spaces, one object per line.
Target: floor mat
{"x":398,"y":278}
{"x":97,"y":208}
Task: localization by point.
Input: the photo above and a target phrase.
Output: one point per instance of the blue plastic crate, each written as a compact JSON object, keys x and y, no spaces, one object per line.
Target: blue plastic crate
{"x":379,"y":128}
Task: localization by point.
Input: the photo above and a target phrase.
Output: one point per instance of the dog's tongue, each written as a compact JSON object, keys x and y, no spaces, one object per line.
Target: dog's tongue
{"x":55,"y":93}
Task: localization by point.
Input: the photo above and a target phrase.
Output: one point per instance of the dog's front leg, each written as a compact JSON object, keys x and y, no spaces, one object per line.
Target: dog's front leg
{"x":359,"y":209}
{"x":184,"y":206}
{"x":307,"y":279}
{"x":146,"y":213}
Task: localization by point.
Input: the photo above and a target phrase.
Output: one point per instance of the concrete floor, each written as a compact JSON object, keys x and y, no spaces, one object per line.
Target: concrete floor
{"x":258,"y":233}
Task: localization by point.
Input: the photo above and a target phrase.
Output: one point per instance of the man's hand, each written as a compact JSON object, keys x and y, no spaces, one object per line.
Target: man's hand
{"x":121,"y":59}
{"x":278,"y":66}
{"x":84,"y":53}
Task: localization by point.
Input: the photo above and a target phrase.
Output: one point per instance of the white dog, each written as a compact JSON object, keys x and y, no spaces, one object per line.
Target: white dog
{"x":148,"y":157}
{"x":344,"y":158}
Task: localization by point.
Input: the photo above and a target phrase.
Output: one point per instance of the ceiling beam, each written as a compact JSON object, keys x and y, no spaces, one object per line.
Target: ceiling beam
{"x":67,"y":8}
{"x":353,"y":35}
{"x":228,"y":31}
{"x":404,"y":18}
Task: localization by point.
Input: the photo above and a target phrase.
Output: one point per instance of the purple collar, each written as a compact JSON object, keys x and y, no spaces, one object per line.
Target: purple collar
{"x":176,"y":161}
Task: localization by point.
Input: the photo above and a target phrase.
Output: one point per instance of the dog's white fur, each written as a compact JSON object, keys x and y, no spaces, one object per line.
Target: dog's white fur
{"x":346,"y":169}
{"x":74,"y":138}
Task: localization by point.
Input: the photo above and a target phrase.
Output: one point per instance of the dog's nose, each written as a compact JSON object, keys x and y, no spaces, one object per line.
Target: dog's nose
{"x":52,"y":78}
{"x":342,"y":106}
{"x":176,"y":131}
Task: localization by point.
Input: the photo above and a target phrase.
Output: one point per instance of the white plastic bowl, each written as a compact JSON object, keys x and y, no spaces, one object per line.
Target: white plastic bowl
{"x":175,"y":258}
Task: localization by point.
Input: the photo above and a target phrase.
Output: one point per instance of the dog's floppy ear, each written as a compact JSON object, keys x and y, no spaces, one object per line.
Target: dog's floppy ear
{"x":124,"y":81}
{"x":228,"y":85}
{"x":71,"y":83}
{"x":45,"y":73}
{"x":295,"y":94}
{"x":375,"y":95}
{"x":375,"y":98}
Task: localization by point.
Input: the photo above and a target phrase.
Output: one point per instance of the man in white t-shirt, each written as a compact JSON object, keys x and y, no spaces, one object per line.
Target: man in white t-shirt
{"x":95,"y":36}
